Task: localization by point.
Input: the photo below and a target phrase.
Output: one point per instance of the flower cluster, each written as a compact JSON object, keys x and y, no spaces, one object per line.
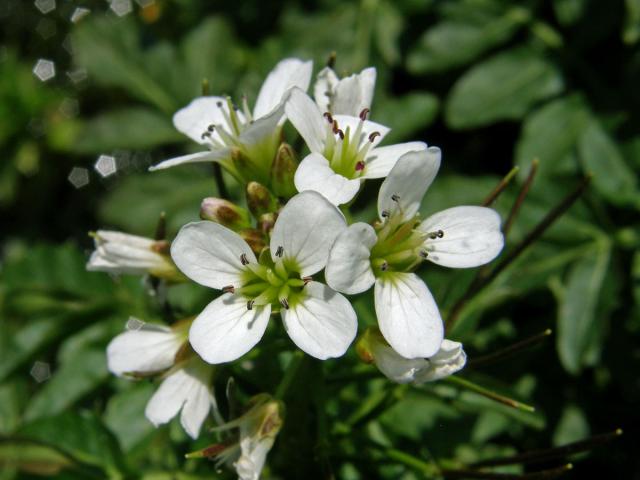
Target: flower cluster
{"x":271,"y":257}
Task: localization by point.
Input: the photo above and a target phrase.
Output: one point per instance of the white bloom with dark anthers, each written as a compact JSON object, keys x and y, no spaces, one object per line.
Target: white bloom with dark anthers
{"x":118,"y":252}
{"x":346,"y":96}
{"x":449,"y":359}
{"x":229,"y":132}
{"x":186,"y":385}
{"x":319,"y":320}
{"x":344,"y":149}
{"x":388,"y":254}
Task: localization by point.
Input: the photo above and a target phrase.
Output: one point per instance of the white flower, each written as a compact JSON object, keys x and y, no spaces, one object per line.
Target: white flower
{"x":241,"y":140}
{"x":319,"y":320}
{"x":186,"y":387}
{"x":118,"y":252}
{"x":449,"y":359}
{"x":257,"y":431}
{"x":346,"y":96}
{"x":344,"y":149}
{"x":386,"y":256}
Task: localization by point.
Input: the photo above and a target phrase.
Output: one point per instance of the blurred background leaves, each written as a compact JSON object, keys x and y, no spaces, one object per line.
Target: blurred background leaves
{"x":493,"y":83}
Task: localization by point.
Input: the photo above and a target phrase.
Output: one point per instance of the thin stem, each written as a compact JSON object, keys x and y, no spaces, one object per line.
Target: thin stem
{"x":481,"y":282}
{"x":541,"y":475}
{"x":510,"y":350}
{"x":219,"y":179}
{"x":535,"y":456}
{"x":161,"y":227}
{"x":521,"y":196}
{"x":289,"y":374}
{"x":500,"y":187}
{"x":510,"y":402}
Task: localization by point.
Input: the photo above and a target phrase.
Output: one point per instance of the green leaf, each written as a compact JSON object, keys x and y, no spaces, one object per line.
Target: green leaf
{"x":453,"y":43}
{"x":388,"y":28}
{"x":31,"y":458}
{"x":125,"y":415}
{"x":407,"y":114}
{"x":73,"y":380}
{"x":80,"y":435}
{"x":572,"y":427}
{"x":612,"y":177}
{"x":108,"y":48}
{"x":504,"y":87}
{"x":578,"y":302}
{"x":550,"y":134}
{"x":131,"y":128}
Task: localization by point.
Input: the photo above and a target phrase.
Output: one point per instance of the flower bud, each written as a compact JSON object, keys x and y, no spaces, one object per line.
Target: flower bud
{"x":225,"y":213}
{"x":266,"y":222}
{"x":282,"y":171}
{"x":255,"y":238}
{"x":260,"y":200}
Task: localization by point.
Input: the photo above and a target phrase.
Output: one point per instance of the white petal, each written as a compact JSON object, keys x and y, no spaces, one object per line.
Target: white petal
{"x":183,"y":389}
{"x":209,"y":254}
{"x":200,"y":399}
{"x":209,"y":156}
{"x":349,"y":268}
{"x":409,"y":180}
{"x":381,"y":160}
{"x":263,"y":127}
{"x":287,"y":74}
{"x":323,"y":90}
{"x":354,"y":93}
{"x":194,"y":119}
{"x":394,"y":366}
{"x":472,"y":236}
{"x":307,"y":119}
{"x":150,"y":349}
{"x":111,"y":236}
{"x":314,"y":173}
{"x":408,"y":315}
{"x":323,"y":323}
{"x":226,"y":329}
{"x":449,"y":359}
{"x":349,"y":122}
{"x":306,"y":228}
{"x":253,"y":457}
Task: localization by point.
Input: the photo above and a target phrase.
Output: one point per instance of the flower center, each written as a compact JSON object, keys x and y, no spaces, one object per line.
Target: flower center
{"x":267,"y":282}
{"x":400,"y":247}
{"x":346,"y":150}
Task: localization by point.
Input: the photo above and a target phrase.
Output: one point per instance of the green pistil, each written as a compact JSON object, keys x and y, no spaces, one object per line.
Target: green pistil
{"x":399,"y":247}
{"x":343,"y":149}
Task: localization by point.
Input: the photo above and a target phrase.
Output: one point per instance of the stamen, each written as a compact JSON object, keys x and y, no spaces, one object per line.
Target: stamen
{"x":307,"y":279}
{"x":328,"y":116}
{"x":250,"y":304}
{"x":384,"y":214}
{"x":284,"y":303}
{"x":219,"y":104}
{"x":280,"y":251}
{"x":341,"y":134}
{"x":243,"y":259}
{"x":229,"y":289}
{"x":335,"y":126}
{"x":211,"y":127}
{"x":359,"y":166}
{"x":373,"y":135}
{"x":363,"y":114}
{"x":424,"y":253}
{"x":436,"y":234}
{"x":395,"y":197}
{"x":205,"y":135}
{"x":385,"y":266}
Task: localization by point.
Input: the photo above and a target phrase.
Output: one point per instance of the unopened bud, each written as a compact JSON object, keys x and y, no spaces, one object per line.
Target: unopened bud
{"x":225,"y":213}
{"x":282,"y":172}
{"x":363,"y":346}
{"x":266,"y":222}
{"x":260,"y":200}
{"x":255,"y":238}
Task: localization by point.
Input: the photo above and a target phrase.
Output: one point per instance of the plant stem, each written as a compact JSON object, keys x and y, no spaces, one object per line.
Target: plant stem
{"x":510,"y":402}
{"x":535,"y":456}
{"x":290,"y":373}
{"x":541,"y":475}
{"x":510,"y":350}
{"x":521,"y":196}
{"x":219,"y":179}
{"x":500,"y":187}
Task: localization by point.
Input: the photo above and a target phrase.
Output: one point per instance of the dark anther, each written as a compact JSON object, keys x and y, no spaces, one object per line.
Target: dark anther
{"x":335,"y":127}
{"x":284,"y":303}
{"x":364,"y":113}
{"x":243,"y":259}
{"x":279,"y":251}
{"x":384,"y":214}
{"x":229,"y":289}
{"x":328,"y":116}
{"x":331,"y":61}
{"x":424,"y":253}
{"x":373,"y":135}
{"x":395,"y":197}
{"x":385,"y":266}
{"x":440,"y":233}
{"x":307,"y":279}
{"x":205,"y":135}
{"x":211,"y":127}
{"x":250,"y":304}
{"x":219,"y":104}
{"x":359,"y":166}
{"x":341,"y":134}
